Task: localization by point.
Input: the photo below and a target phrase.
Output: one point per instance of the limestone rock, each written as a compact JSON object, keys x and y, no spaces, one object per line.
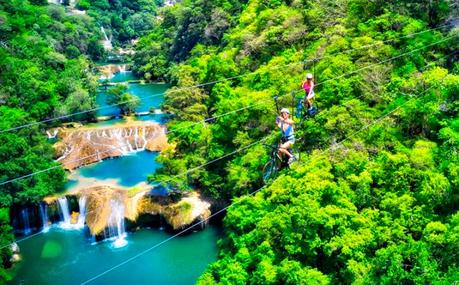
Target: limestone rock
{"x":98,"y":208}
{"x":15,"y":258}
{"x":179,"y":215}
{"x":82,"y":146}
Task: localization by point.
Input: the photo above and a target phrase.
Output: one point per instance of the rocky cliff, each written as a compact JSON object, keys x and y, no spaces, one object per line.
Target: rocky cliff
{"x":180,"y":214}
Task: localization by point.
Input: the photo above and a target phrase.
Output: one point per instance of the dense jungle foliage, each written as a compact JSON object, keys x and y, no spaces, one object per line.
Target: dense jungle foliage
{"x":46,"y":55}
{"x":43,"y":74}
{"x":374,"y":199}
{"x":124,"y":20}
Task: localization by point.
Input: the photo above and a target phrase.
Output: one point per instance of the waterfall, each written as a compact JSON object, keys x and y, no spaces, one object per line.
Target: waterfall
{"x":52,"y":135}
{"x":136,"y":136}
{"x":64,"y":211}
{"x":130,"y":148}
{"x":25,"y":221}
{"x":105,"y":34}
{"x":144,"y":133}
{"x":82,"y":216}
{"x":122,"y":68}
{"x":116,"y":229}
{"x":107,"y":42}
{"x":44,"y":216}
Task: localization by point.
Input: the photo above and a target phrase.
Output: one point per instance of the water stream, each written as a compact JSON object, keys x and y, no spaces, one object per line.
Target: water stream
{"x":44,"y":216}
{"x":151,"y":95}
{"x":116,"y":230}
{"x":25,"y":221}
{"x":64,"y":212}
{"x":67,"y":254}
{"x":82,"y":214}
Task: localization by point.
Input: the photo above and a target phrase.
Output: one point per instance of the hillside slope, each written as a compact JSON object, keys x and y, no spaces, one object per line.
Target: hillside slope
{"x":380,"y":207}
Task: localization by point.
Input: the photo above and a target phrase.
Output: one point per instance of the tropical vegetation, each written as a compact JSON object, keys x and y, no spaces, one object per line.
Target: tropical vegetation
{"x":374,"y":199}
{"x":375,"y":196}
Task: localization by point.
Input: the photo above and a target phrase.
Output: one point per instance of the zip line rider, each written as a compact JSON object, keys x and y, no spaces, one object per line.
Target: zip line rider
{"x":308,"y":86}
{"x":288,"y":138}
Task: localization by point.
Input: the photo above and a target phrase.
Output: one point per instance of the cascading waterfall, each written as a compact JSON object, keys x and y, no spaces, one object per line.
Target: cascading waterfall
{"x":82,"y":215}
{"x":144,"y":137}
{"x":64,"y":212}
{"x":52,"y":134}
{"x":105,"y":34}
{"x":116,"y":230}
{"x":136,"y":137}
{"x":44,"y":216}
{"x":107,"y":42}
{"x":25,"y":221}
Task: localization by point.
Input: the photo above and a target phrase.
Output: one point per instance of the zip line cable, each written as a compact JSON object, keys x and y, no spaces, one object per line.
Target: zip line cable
{"x":385,"y":115}
{"x":233,"y":111}
{"x":236,"y":202}
{"x":170,"y":238}
{"x":424,"y":68}
{"x":173,"y":177}
{"x":215,"y":117}
{"x":215,"y":160}
{"x":216,"y":81}
{"x":229,"y":154}
{"x":208,"y":119}
{"x":99,"y":153}
{"x":210,"y":162}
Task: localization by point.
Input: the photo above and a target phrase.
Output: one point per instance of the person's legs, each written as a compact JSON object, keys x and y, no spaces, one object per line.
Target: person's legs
{"x":310,"y":100}
{"x":283,"y":148}
{"x":306,"y":103}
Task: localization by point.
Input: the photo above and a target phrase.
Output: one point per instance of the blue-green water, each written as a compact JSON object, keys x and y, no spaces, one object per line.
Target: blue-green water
{"x":151,"y":95}
{"x":68,"y":257}
{"x":129,"y":170}
{"x":107,"y":123}
{"x":123,"y":76}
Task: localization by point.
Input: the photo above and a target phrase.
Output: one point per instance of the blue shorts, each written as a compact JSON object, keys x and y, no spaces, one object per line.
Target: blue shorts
{"x":290,"y":139}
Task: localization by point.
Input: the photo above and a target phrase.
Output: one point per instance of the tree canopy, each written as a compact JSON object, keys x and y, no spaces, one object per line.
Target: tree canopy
{"x":374,"y":199}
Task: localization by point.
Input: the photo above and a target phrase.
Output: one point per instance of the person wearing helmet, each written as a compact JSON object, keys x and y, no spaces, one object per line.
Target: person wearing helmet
{"x":308,"y":86}
{"x":288,"y":139}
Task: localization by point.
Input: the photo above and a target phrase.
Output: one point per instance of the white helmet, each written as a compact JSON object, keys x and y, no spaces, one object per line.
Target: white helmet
{"x":285,"y":110}
{"x":309,"y":76}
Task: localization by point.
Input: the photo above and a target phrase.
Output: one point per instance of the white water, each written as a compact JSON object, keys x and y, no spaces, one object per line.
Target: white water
{"x":82,"y":216}
{"x":107,"y":42}
{"x":116,"y":230}
{"x":51,"y":135}
{"x":25,"y":221}
{"x":105,"y":35}
{"x":64,"y":212}
{"x":44,"y":216}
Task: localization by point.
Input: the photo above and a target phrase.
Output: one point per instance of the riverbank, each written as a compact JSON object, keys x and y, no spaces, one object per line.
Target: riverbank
{"x":108,"y":200}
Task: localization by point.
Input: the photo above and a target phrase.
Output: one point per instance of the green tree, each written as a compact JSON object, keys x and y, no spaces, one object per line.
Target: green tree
{"x":125,"y":101}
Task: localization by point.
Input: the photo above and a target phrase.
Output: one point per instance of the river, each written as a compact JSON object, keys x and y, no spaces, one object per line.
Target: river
{"x":69,"y":256}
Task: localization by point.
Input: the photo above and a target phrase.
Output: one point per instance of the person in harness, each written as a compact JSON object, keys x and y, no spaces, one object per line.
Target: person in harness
{"x":308,"y":86}
{"x":288,"y":139}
